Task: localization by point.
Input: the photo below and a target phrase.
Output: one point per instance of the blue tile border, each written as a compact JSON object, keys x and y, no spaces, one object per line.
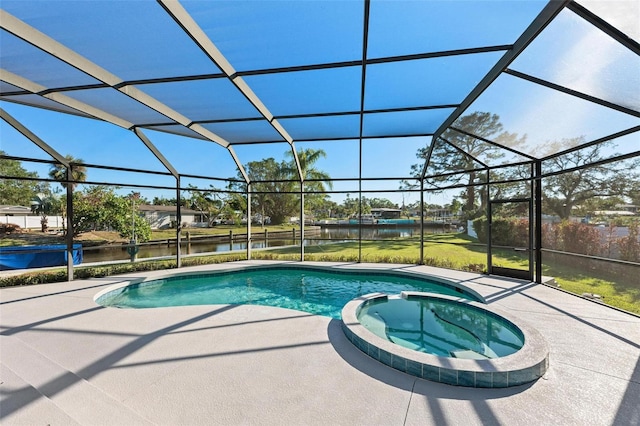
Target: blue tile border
{"x":414,"y":368}
{"x":399,"y":363}
{"x":448,"y":376}
{"x":500,"y":380}
{"x":467,"y":378}
{"x":385,"y":357}
{"x":484,"y":380}
{"x":430,"y":372}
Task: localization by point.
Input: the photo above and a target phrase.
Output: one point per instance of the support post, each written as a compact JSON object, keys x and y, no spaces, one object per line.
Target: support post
{"x":249,"y":221}
{"x":489,"y":220}
{"x":360,"y":209}
{"x":421,"y":222}
{"x":179,"y":223}
{"x":301,"y":221}
{"x":537,"y":180}
{"x":69,"y":236}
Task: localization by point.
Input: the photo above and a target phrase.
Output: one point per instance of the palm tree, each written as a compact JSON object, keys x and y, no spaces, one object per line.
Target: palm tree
{"x":42,"y":204}
{"x":308,"y":157}
{"x":78,"y":172}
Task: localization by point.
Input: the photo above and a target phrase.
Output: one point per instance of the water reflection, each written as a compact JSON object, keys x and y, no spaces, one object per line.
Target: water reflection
{"x":163,"y":249}
{"x":324,"y":236}
{"x":377,"y":233}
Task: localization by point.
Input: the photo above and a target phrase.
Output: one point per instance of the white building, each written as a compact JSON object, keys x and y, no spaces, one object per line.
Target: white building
{"x":160,"y":217}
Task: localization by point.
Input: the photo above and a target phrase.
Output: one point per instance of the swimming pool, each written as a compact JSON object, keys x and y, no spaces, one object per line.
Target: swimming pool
{"x":318,"y":291}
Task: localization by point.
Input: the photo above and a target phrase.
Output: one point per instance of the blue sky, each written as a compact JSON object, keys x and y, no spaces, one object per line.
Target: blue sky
{"x":274,"y":34}
{"x":97,"y":142}
{"x":101,"y":143}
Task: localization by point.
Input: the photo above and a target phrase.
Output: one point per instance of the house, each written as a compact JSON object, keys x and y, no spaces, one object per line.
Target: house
{"x":25,"y":218}
{"x":161,"y":217}
{"x":629,"y":208}
{"x":384,"y":213}
{"x":439,"y":214}
{"x":9,"y":210}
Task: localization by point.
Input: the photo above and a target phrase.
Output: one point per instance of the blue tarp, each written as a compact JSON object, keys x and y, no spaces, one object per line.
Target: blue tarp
{"x":25,"y":257}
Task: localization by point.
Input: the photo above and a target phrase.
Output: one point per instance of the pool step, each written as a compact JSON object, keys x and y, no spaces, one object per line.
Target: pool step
{"x":468,"y":354}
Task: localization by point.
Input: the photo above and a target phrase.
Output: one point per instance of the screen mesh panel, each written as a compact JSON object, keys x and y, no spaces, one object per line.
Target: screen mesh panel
{"x":573,"y":53}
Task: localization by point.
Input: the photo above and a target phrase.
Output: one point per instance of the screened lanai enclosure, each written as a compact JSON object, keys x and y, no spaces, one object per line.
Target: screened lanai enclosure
{"x":392,"y":131}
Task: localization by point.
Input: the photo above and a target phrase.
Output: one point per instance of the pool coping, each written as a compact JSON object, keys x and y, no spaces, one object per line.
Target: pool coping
{"x":526,"y":365}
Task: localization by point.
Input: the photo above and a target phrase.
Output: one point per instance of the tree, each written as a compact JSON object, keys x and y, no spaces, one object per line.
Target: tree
{"x":380,"y":203}
{"x":78,"y":172}
{"x":455,"y":206}
{"x":162,"y":201}
{"x":273,"y":185}
{"x":271,"y":189}
{"x":99,"y":208}
{"x":326,"y":209}
{"x":42,"y":204}
{"x":634,"y":194}
{"x":59,"y":172}
{"x":18,"y":192}
{"x":565,"y":191}
{"x":208,"y":203}
{"x":350,"y":206}
{"x":308,"y":158}
{"x":446,"y":157}
{"x":316,"y":181}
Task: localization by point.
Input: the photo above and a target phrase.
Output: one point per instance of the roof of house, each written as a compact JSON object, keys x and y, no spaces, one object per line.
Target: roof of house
{"x":166,"y":209}
{"x":384,"y":209}
{"x":6,"y":209}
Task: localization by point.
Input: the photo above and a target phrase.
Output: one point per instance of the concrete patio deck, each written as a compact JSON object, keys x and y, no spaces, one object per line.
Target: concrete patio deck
{"x":66,"y":360}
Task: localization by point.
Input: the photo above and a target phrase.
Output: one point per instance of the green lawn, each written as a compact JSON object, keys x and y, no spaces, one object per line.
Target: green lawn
{"x":457,"y":252}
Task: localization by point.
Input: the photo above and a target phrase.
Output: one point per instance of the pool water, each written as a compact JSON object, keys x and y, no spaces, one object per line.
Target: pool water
{"x":441,"y":327}
{"x":317,"y":292}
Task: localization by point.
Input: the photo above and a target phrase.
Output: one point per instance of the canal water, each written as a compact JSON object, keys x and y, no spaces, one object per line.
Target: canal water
{"x":324,"y":236}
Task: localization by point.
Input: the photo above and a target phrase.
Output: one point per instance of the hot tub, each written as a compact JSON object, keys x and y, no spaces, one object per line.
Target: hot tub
{"x":446,"y":339}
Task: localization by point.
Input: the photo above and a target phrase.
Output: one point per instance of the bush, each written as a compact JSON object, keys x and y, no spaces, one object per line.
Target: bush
{"x":580,"y":238}
{"x":629,"y":246}
{"x":573,"y":237}
{"x":10,"y":228}
{"x":480,"y":225}
{"x":551,"y":237}
{"x":504,"y":231}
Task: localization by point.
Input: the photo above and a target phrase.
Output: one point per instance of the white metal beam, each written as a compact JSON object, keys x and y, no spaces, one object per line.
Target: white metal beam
{"x":33,"y":138}
{"x":193,"y":30}
{"x":40,"y":40}
{"x":543,"y":19}
{"x":240,"y":168}
{"x":151,"y":147}
{"x":65,"y":100}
